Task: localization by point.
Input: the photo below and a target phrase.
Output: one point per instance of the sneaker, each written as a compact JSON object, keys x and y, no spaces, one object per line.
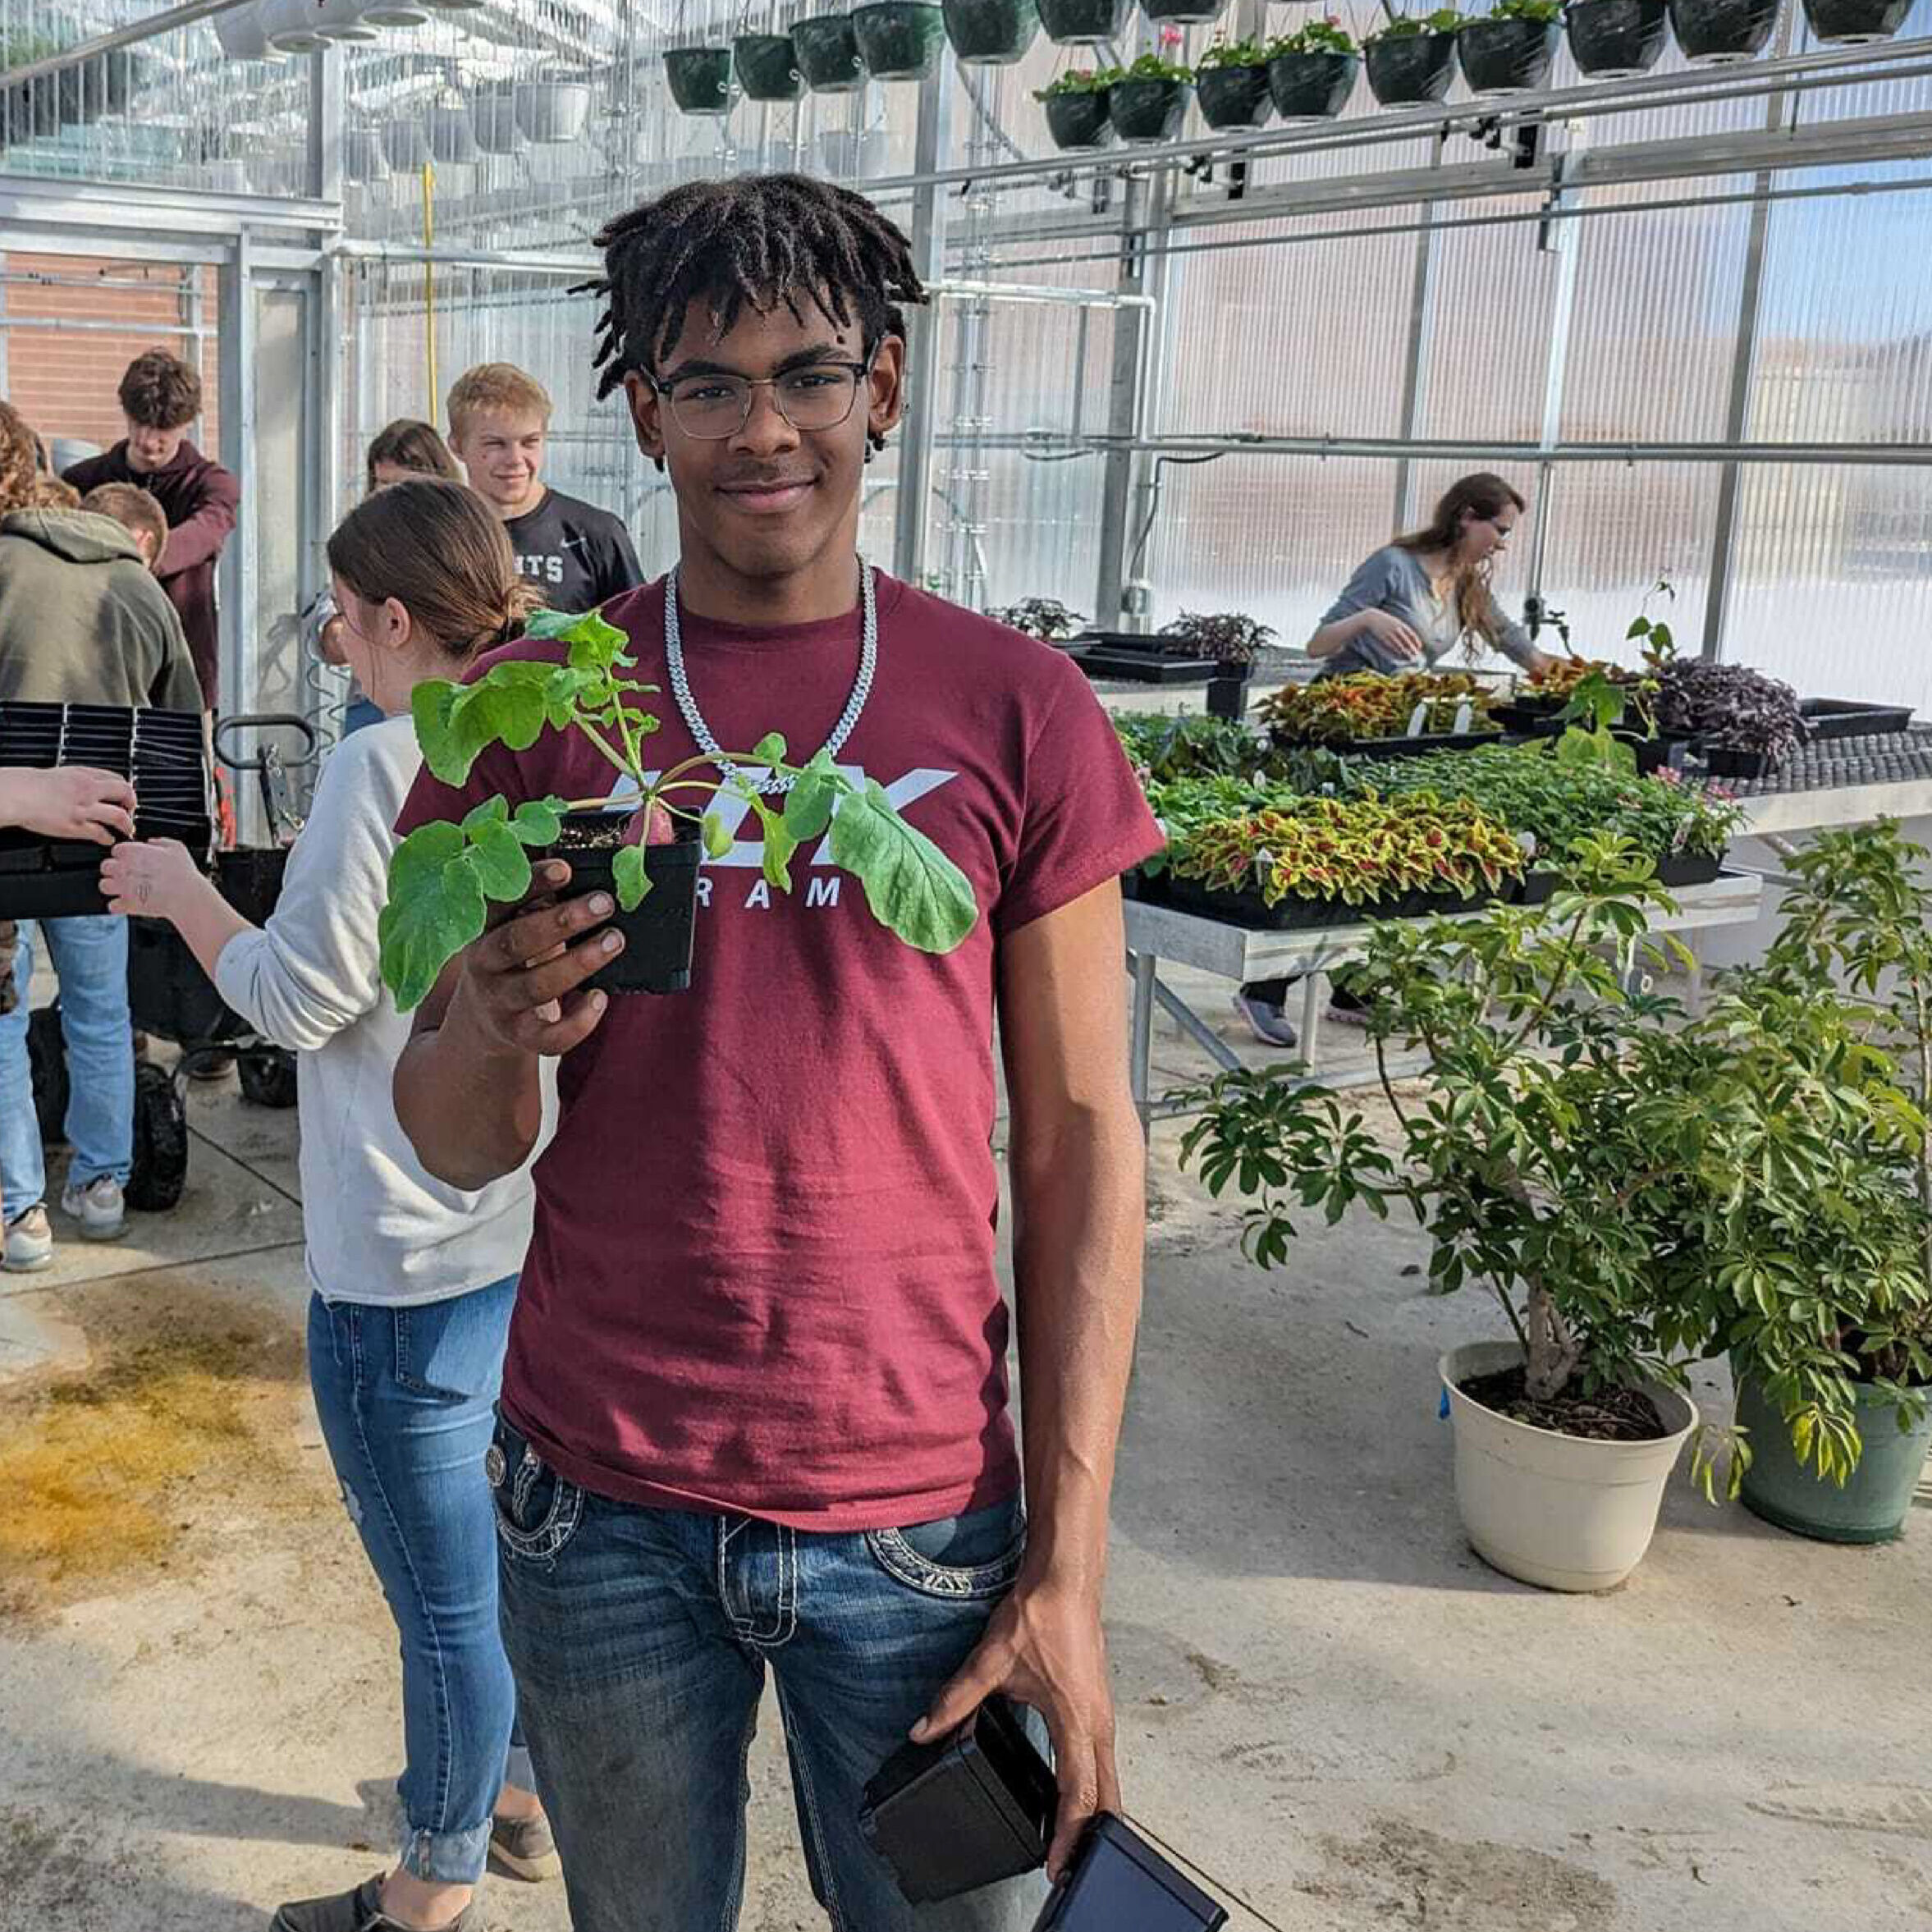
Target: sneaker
{"x":361,"y":1911}
{"x":98,"y":1206}
{"x":525,"y":1848}
{"x":29,"y":1242}
{"x":1347,"y":1010}
{"x":1269,"y":1024}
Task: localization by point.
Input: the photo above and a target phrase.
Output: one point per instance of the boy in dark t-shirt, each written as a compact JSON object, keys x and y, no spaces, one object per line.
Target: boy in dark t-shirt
{"x":577,"y":554}
{"x":754,"y":1410}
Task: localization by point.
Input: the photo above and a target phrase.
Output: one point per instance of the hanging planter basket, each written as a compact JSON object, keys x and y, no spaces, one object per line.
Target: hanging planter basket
{"x":493,"y":117}
{"x":363,"y":158}
{"x":828,"y":48}
{"x":1720,"y":33}
{"x":405,"y":147}
{"x":1183,"y":13}
{"x":1855,"y":23}
{"x":1312,"y":86}
{"x":1077,"y":121}
{"x":550,"y":111}
{"x":1084,"y":23}
{"x":700,"y":79}
{"x":899,"y":40}
{"x":452,"y":140}
{"x":1233,"y":98}
{"x":1412,"y":70}
{"x":1147,"y":110}
{"x":1507,"y":56}
{"x":767,"y":66}
{"x":991,"y":33}
{"x":1615,"y":39}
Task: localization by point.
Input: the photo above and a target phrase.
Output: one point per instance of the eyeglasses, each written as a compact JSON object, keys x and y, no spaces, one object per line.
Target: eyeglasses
{"x":813,"y":396}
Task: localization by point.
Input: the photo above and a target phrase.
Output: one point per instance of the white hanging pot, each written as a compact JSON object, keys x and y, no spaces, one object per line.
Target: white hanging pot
{"x":456,"y":6}
{"x":492,"y":118}
{"x":363,"y":158}
{"x":551,"y":111}
{"x":342,"y":21}
{"x":293,"y":26}
{"x":405,"y":147}
{"x":396,"y":13}
{"x":240,"y":31}
{"x":452,"y":139}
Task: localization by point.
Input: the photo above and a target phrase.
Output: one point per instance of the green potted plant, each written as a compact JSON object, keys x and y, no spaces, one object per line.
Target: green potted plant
{"x":700,"y":79}
{"x":444,"y":876}
{"x":1616,"y":39}
{"x":899,"y":40}
{"x":1531,"y":1160}
{"x":826,"y":45}
{"x":1412,"y":60}
{"x":1231,"y":641}
{"x":1510,"y":49}
{"x":1231,"y":83}
{"x":1084,"y":23}
{"x":991,"y":33}
{"x":1312,"y":71}
{"x":767,"y":66}
{"x":1364,"y":708}
{"x":1721,"y":33}
{"x":1045,"y":617}
{"x":1148,"y":101}
{"x":1855,"y":23}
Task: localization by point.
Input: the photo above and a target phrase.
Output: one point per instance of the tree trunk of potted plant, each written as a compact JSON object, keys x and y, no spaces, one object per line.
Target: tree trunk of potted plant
{"x":1147,"y":110}
{"x":1078,"y":120}
{"x":1613,"y":39}
{"x":1411,"y":70}
{"x":1855,"y":23}
{"x":828,"y":49}
{"x":1084,"y":23}
{"x":551,"y":112}
{"x":1183,"y":13}
{"x":700,"y":79}
{"x":657,"y":936}
{"x":899,"y":40}
{"x":1233,"y":97}
{"x":1715,"y":33}
{"x":767,"y":66}
{"x":1313,"y":86}
{"x":1562,"y":1512}
{"x":991,"y":33}
{"x":1506,"y":56}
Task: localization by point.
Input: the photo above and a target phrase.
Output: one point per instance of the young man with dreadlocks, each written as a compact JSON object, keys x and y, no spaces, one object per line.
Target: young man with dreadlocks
{"x":755,"y":1407}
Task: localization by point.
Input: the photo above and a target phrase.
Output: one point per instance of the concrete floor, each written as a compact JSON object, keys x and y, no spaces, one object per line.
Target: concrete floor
{"x":1326,"y":1699}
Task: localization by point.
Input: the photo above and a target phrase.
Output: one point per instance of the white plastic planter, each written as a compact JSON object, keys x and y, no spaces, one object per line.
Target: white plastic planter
{"x":241,"y":34}
{"x":452,"y":139}
{"x":552,"y":111}
{"x":1558,"y":1511}
{"x":493,"y":117}
{"x":293,"y":26}
{"x":396,"y":13}
{"x":342,"y":21}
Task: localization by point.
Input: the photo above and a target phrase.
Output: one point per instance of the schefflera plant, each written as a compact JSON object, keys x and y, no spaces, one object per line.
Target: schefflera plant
{"x":444,"y":876}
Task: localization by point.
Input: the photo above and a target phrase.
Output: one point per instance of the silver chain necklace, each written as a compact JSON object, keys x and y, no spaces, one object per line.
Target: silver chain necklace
{"x":680,"y":685}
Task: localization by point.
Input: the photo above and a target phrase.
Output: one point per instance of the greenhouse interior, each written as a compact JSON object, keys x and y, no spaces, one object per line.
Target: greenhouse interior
{"x":1360,"y":1141}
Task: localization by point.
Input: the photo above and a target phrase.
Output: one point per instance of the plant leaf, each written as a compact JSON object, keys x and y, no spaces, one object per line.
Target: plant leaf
{"x":630,"y":878}
{"x":770,"y":749}
{"x":809,"y":804}
{"x":497,"y":857}
{"x":435,"y":909}
{"x":537,"y":822}
{"x":509,"y":705}
{"x":913,"y":888}
{"x":717,"y":840}
{"x":779,"y":847}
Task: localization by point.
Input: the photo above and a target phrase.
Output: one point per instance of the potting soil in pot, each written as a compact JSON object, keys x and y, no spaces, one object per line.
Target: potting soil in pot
{"x":1611,"y":1415}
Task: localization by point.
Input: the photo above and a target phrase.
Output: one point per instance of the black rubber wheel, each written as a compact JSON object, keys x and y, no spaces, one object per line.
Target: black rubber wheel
{"x":268,"y":1076}
{"x":47,"y":1054}
{"x":160,"y":1141}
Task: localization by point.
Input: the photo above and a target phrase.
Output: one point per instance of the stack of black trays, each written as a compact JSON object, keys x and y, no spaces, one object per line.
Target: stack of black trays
{"x":162,"y":753}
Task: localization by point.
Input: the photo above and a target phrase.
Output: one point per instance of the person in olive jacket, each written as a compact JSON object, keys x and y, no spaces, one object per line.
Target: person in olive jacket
{"x":160,"y":396}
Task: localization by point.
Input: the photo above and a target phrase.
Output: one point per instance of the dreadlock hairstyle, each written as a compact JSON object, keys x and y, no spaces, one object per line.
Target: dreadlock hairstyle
{"x":755,"y":241}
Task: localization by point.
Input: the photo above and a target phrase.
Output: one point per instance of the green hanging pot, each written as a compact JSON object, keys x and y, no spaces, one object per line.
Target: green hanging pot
{"x":1183,"y":13}
{"x":991,"y":33}
{"x":899,"y":40}
{"x":1233,"y":97}
{"x":1506,"y":56}
{"x":1312,"y":86}
{"x":1078,"y":120}
{"x":1410,"y":69}
{"x":1147,"y":110}
{"x":828,"y":49}
{"x":1855,"y":23}
{"x":1721,"y":33}
{"x":1615,"y":39}
{"x":1084,"y":23}
{"x":700,"y":79}
{"x":767,"y":66}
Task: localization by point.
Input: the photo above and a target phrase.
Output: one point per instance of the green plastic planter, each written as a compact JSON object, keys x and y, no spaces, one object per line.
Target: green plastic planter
{"x":1312,"y":86}
{"x":1084,"y":23}
{"x":1147,"y":110}
{"x":700,"y":79}
{"x":828,"y":49}
{"x":1233,"y":97}
{"x":991,"y":33}
{"x":1617,"y":40}
{"x":1871,"y":1507}
{"x":1507,"y":56}
{"x":767,"y":66}
{"x":899,"y":40}
{"x":1078,"y":120}
{"x":1720,"y":33}
{"x":1412,"y":70}
{"x":1855,"y":23}
{"x":1183,"y":13}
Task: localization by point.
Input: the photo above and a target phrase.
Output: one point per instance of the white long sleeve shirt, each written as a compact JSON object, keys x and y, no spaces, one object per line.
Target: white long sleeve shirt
{"x":378,"y":1227}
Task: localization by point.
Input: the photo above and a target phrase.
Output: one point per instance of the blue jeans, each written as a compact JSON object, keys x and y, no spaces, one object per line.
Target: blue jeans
{"x":639,"y":1638}
{"x":406,"y":1397}
{"x":90,"y":957}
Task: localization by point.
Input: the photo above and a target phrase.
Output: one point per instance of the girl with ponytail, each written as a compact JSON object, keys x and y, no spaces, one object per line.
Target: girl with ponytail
{"x":412,"y":1280}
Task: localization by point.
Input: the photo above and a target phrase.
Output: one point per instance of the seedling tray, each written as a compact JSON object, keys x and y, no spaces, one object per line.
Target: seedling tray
{"x":1134,"y":657}
{"x":1838,"y":717}
{"x":1402,"y":748}
{"x":1292,"y":915}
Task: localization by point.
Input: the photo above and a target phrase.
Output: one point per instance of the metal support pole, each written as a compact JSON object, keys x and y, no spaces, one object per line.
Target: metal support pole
{"x":1421,"y":312}
{"x":238,"y":577}
{"x":928,"y":235}
{"x":1561,"y":240}
{"x":325,"y":125}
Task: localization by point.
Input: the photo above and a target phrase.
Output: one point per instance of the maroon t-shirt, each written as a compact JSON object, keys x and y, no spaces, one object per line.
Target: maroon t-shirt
{"x":762,"y":1274}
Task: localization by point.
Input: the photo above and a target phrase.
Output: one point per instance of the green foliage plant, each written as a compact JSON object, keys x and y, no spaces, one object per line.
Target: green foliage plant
{"x":1406,"y":26}
{"x":1315,"y":36}
{"x":1075,"y":80}
{"x":1149,"y":66}
{"x":1043,"y":617}
{"x":1546,"y":12}
{"x":1235,"y":53}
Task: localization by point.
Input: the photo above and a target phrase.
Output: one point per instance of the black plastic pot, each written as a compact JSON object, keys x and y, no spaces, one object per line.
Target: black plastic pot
{"x":700,"y":79}
{"x":657,"y":955}
{"x":899,"y":40}
{"x":1227,"y":690}
{"x":1077,"y":121}
{"x":827,"y":49}
{"x":1312,"y":86}
{"x":1855,"y":23}
{"x":1412,"y":70}
{"x":1084,"y":23}
{"x":1506,"y":56}
{"x":1724,"y":761}
{"x":1613,"y":40}
{"x":1183,"y":13}
{"x":767,"y":66}
{"x":991,"y":33}
{"x":1715,"y":33}
{"x":1233,"y":97}
{"x":1147,"y":110}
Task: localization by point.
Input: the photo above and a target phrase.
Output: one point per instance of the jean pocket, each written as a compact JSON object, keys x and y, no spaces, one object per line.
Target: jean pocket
{"x":537,"y":1511}
{"x":969,"y":1558}
{"x":452,"y":1351}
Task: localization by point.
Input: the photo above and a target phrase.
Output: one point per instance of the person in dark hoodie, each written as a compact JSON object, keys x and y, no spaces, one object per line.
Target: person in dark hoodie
{"x":81,"y":622}
{"x":160,"y":396}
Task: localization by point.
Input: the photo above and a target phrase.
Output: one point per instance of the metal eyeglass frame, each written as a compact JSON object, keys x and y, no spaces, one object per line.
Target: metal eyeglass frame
{"x":860,"y":372}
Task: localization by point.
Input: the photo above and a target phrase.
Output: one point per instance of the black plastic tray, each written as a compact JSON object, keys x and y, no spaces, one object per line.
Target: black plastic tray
{"x":1141,"y":667}
{"x":1681,"y":868}
{"x":1838,"y":717}
{"x":1246,"y":909}
{"x":1397,"y":748}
